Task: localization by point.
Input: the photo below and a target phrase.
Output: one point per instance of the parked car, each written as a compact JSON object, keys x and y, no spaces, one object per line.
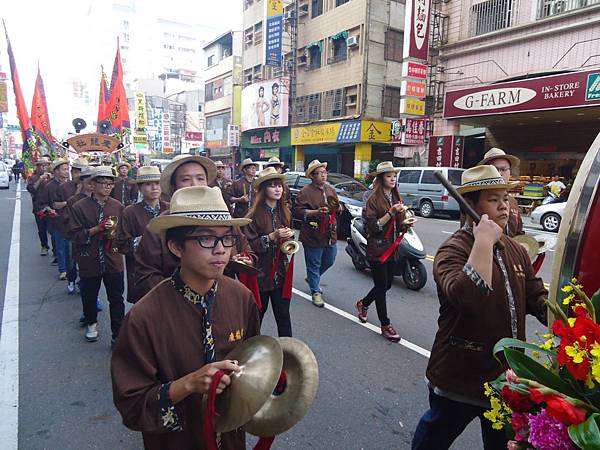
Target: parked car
{"x":549,"y":216}
{"x":349,"y":191}
{"x":423,"y":192}
{"x":5,"y":176}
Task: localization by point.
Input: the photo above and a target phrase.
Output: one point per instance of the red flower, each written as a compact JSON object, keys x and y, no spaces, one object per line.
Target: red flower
{"x":518,"y":402}
{"x":583,"y":334}
{"x":559,"y":408}
{"x":520,"y":425}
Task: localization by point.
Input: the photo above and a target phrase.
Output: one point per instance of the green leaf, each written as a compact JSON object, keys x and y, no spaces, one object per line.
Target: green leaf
{"x":596,"y":304}
{"x":526,"y":367}
{"x":586,"y":435}
{"x":516,"y":343}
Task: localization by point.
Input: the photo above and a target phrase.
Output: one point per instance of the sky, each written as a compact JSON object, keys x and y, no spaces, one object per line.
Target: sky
{"x":55,"y":34}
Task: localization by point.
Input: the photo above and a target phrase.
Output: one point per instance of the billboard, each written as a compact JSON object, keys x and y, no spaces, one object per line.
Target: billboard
{"x":266,"y":104}
{"x":416,"y":29}
{"x":273,"y":32}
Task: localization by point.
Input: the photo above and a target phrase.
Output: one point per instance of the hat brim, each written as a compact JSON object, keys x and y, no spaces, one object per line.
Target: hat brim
{"x":165,"y":222}
{"x":56,"y":166}
{"x":514,"y":161}
{"x":315,"y":167}
{"x":155,"y":179}
{"x":280,"y":164}
{"x":389,"y":169}
{"x":258,"y":181}
{"x":96,"y":175}
{"x":208,"y":164}
{"x":249,"y":164}
{"x":482,"y":187}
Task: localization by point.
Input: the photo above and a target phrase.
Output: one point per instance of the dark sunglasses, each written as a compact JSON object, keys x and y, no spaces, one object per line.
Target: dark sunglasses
{"x":229,"y":240}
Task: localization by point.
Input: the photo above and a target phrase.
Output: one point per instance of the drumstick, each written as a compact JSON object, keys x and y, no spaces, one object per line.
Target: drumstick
{"x":464,"y":205}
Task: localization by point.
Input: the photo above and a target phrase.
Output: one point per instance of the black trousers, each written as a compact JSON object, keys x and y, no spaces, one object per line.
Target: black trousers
{"x":383,"y":276}
{"x":42,"y":226}
{"x":114,"y":286}
{"x":281,"y":310}
{"x":446,"y":420}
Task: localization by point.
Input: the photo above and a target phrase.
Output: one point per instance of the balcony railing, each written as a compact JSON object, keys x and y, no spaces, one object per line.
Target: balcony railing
{"x":492,"y":15}
{"x":549,"y":8}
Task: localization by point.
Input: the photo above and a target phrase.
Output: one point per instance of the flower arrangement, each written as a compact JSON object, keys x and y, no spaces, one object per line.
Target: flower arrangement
{"x":550,"y":400}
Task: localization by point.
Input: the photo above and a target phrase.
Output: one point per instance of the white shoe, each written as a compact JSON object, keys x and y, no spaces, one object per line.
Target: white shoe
{"x":92,"y":332}
{"x":71,"y":287}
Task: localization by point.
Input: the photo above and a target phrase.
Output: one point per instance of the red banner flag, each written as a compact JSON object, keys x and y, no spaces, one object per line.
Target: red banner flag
{"x":116,"y":110}
{"x":29,"y":155}
{"x":40,"y":120}
{"x":103,"y":99}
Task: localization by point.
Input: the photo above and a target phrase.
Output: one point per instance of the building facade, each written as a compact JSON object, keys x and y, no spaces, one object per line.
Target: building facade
{"x":522,"y":75}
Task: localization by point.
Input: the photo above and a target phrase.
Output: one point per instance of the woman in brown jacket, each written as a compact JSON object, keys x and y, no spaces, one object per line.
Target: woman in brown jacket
{"x":384,"y":213}
{"x":270,"y":227}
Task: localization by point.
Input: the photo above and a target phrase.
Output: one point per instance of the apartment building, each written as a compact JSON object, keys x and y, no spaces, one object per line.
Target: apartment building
{"x":522,"y":75}
{"x":343,"y":59}
{"x":222,"y":89}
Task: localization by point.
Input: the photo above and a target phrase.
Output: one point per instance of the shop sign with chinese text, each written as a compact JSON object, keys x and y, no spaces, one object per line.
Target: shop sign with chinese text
{"x":195,"y":136}
{"x":570,"y":90}
{"x":412,"y":107}
{"x":350,"y":131}
{"x":141,"y":121}
{"x":412,"y":88}
{"x":273,"y":39}
{"x":446,"y":151}
{"x":416,"y":29}
{"x":409,"y":131}
{"x":414,"y":70}
{"x":93,"y":142}
{"x":266,"y":138}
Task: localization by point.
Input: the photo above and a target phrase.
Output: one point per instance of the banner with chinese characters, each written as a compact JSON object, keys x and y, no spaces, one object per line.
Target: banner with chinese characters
{"x":412,"y":69}
{"x":412,"y":107}
{"x":446,"y":151}
{"x":266,"y":138}
{"x":409,"y":131}
{"x":273,"y":39}
{"x":348,"y":131}
{"x":166,"y":131}
{"x":412,"y":88}
{"x":93,"y":142}
{"x":141,"y":121}
{"x":266,"y":104}
{"x":416,"y":29}
{"x":3,"y":93}
{"x":456,"y":156}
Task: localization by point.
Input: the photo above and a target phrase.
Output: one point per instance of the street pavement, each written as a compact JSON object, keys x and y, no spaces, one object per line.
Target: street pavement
{"x":371,"y":393}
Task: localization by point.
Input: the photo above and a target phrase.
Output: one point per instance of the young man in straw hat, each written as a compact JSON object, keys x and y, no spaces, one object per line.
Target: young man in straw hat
{"x":49,"y":204}
{"x":318,"y":232}
{"x":125,"y":190}
{"x":241,"y":190}
{"x":222,"y":182}
{"x":41,"y":175}
{"x":134,"y":221}
{"x":175,"y":338}
{"x":94,"y":222}
{"x":505,"y":164}
{"x":153,"y":260}
{"x":485,"y":293}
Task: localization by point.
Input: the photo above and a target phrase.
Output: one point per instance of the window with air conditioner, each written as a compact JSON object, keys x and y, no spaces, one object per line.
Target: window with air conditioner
{"x":339,"y":50}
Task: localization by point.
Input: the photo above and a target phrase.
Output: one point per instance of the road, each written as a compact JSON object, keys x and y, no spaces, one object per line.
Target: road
{"x":371,"y":392}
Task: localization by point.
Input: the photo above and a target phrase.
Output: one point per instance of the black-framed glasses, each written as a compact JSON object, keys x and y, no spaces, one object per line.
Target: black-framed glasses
{"x":207,"y":241}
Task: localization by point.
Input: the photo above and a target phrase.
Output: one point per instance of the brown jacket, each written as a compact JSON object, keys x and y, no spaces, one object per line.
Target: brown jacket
{"x":225,"y":186}
{"x":472,"y":321}
{"x":131,"y":227}
{"x":124,"y":191}
{"x":68,"y":222}
{"x":377,"y":243}
{"x":238,"y":189}
{"x":514,"y":226}
{"x":313,"y":197}
{"x":160,"y":341}
{"x":47,"y":195}
{"x":65,"y":192}
{"x":33,"y":191}
{"x":154,"y":261}
{"x":256,"y":232}
{"x":84,"y":215}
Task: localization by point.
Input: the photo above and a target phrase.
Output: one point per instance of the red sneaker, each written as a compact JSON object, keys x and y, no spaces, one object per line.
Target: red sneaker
{"x":390,"y":333}
{"x":362,"y":311}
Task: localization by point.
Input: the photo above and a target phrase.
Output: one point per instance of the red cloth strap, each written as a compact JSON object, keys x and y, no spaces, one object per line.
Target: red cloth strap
{"x":391,"y":227}
{"x":537,"y":262}
{"x":276,"y":262}
{"x":390,"y":251}
{"x":208,"y":429}
{"x":251,"y":282}
{"x":286,"y":292}
{"x":264,"y":443}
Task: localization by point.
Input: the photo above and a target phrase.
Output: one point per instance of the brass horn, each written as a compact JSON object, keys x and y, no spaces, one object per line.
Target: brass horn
{"x":410,"y":218}
{"x":111,"y":233}
{"x":332,"y":203}
{"x":290,"y":247}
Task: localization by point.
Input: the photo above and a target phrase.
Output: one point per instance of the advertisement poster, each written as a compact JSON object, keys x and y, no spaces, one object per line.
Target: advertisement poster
{"x":266,"y":104}
{"x":274,"y":32}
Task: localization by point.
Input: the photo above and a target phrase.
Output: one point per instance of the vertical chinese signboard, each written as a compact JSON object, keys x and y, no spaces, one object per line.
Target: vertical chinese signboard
{"x":141,"y":121}
{"x":3,"y":93}
{"x":273,"y":32}
{"x":456,"y":157}
{"x":416,"y":29}
{"x":166,"y":131}
{"x":446,"y":151}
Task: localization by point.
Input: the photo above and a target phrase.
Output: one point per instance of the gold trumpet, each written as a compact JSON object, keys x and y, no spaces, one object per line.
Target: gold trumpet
{"x":332,"y":203}
{"x":410,"y":218}
{"x":111,"y":233}
{"x":290,"y":247}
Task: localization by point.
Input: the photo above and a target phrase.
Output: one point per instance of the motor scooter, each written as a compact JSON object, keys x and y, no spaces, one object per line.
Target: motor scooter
{"x":410,"y":254}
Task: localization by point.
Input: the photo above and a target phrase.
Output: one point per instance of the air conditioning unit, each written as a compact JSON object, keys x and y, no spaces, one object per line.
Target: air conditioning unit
{"x":352,"y":41}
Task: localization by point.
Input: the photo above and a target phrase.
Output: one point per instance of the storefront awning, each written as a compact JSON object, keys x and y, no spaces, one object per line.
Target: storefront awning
{"x":340,"y":35}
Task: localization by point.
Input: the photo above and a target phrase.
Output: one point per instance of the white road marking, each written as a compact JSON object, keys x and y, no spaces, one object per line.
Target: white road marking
{"x":448,"y":232}
{"x":409,"y":345}
{"x":9,"y":340}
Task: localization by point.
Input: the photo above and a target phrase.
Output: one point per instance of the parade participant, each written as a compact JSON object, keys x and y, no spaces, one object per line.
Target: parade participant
{"x":134,"y":221}
{"x":18,"y":169}
{"x":175,"y":338}
{"x":125,"y":190}
{"x":222,"y":182}
{"x":384,"y":213}
{"x":270,"y":227}
{"x":153,"y":260}
{"x":94,"y":222}
{"x":67,"y":190}
{"x":241,"y":190}
{"x":34,"y":182}
{"x":278,"y":166}
{"x":505,"y":164}
{"x":318,"y":232}
{"x":49,"y":204}
{"x":485,"y":293}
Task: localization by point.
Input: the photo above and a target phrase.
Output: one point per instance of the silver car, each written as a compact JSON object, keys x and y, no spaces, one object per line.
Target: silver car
{"x":549,"y":216}
{"x":4,"y":176}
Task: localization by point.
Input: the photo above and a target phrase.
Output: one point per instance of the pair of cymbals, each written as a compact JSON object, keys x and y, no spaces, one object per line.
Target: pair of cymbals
{"x":250,"y":402}
{"x":535,"y":244}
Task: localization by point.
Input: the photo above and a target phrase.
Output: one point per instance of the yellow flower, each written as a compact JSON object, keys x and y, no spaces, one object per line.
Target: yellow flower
{"x":574,"y":280}
{"x":568,"y":299}
{"x":547,"y":345}
{"x":572,"y":321}
{"x":535,"y":354}
{"x":576,"y":354}
{"x":566,"y":289}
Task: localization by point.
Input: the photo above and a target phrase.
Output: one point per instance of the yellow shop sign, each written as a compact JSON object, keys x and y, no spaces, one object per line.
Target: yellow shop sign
{"x":315,"y":134}
{"x":372,"y":131}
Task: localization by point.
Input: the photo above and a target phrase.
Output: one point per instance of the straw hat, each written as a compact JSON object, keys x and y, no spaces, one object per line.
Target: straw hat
{"x":219,"y":164}
{"x":165,"y":178}
{"x":385,"y":167}
{"x":79,"y":163}
{"x":268,"y":173}
{"x":147,"y":174}
{"x":59,"y":162}
{"x":247,"y":162}
{"x":104,"y":172}
{"x":274,"y":161}
{"x":87,"y":172}
{"x":43,"y":160}
{"x":495,"y":153}
{"x":123,"y":163}
{"x":199,"y":206}
{"x":479,"y":178}
{"x":314,"y":164}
